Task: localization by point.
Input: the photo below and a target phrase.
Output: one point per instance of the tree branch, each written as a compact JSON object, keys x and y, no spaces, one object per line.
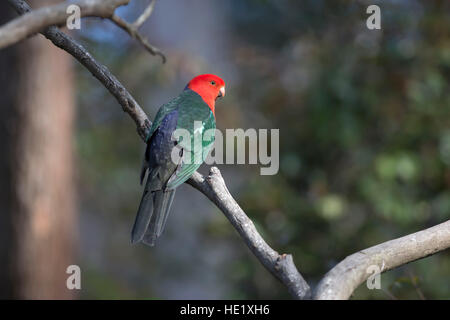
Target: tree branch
{"x":31,"y":23}
{"x":133,"y":32}
{"x":98,"y":70}
{"x":338,"y":283}
{"x":345,"y":277}
{"x":34,"y":22}
{"x":281,"y":266}
{"x":144,"y":16}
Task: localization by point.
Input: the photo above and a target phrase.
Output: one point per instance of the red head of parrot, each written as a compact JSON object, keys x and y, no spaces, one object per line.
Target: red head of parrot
{"x":209,"y":87}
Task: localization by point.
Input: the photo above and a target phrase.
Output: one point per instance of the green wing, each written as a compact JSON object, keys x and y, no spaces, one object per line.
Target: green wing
{"x":197,"y":148}
{"x":196,"y":118}
{"x":162,"y":112}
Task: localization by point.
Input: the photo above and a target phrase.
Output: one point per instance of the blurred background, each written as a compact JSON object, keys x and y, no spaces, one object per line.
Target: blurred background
{"x":364,"y":119}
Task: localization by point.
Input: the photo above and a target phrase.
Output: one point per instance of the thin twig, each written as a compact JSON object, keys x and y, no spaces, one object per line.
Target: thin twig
{"x":134,"y":33}
{"x":33,"y":22}
{"x":98,"y":70}
{"x":39,"y":19}
{"x":144,"y":16}
{"x":415,"y":285}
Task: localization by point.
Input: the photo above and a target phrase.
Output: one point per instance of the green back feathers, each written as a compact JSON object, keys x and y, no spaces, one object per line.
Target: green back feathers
{"x":196,"y":117}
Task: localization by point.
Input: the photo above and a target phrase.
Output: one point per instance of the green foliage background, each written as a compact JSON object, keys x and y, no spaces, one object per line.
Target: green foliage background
{"x":364,"y":119}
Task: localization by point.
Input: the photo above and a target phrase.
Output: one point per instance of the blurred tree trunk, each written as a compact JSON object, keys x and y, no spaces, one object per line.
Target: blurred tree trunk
{"x":37,"y":218}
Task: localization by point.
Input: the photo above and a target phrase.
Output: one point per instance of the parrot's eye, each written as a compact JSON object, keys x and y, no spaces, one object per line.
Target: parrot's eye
{"x":213,"y":83}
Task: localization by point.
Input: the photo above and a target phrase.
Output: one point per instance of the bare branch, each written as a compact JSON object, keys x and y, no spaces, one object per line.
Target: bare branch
{"x":338,"y":283}
{"x":144,"y":16}
{"x":133,"y":32}
{"x":344,"y":278}
{"x":34,"y":22}
{"x":98,"y":70}
{"x":281,"y":266}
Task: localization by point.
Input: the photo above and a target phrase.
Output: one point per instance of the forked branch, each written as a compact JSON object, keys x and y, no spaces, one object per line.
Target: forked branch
{"x":339,"y":282}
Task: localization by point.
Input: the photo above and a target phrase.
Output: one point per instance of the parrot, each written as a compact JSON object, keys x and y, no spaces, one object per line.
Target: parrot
{"x":193,"y":106}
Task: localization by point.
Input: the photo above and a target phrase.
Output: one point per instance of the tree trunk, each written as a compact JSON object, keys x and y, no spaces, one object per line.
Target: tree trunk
{"x":37,"y":218}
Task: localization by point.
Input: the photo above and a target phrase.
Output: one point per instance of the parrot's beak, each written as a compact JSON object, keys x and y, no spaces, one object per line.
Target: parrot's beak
{"x":221,"y":92}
